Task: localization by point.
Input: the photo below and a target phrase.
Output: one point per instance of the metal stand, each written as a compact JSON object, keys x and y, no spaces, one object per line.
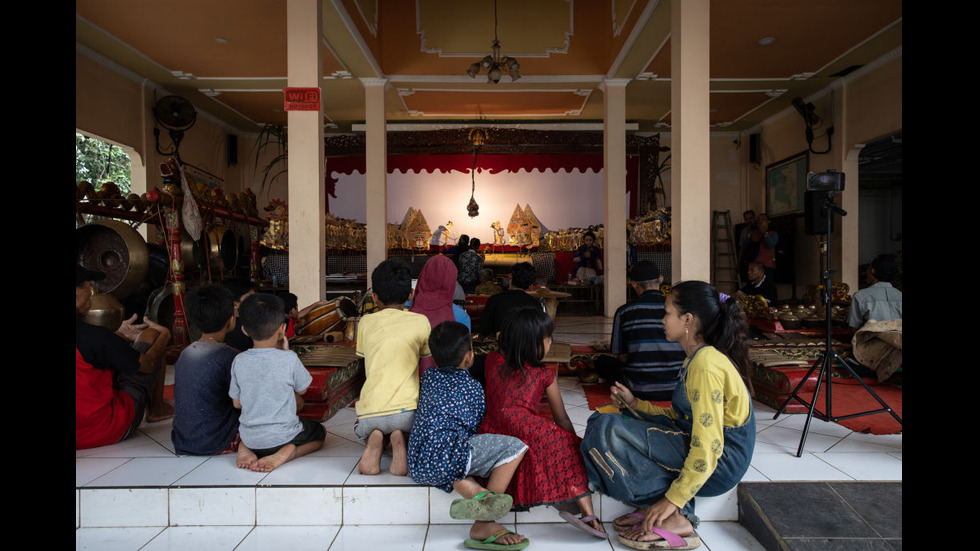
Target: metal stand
{"x":827,"y":360}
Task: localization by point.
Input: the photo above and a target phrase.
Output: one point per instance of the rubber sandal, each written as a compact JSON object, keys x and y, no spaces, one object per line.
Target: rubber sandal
{"x":484,"y":506}
{"x":670,"y":541}
{"x":583,"y":524}
{"x":489,"y":542}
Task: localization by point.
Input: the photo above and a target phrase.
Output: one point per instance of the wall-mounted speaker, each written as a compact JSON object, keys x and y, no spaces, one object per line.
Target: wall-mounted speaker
{"x":755,"y":148}
{"x":232,"y":149}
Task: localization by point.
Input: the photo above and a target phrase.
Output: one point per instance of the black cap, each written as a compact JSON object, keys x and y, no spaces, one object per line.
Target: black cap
{"x":645,"y":270}
{"x":82,"y":275}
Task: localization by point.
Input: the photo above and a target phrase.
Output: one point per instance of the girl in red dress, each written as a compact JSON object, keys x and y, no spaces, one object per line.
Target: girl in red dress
{"x":552,"y":472}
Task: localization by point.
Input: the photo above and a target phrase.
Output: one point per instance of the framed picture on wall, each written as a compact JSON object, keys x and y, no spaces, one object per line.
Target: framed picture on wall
{"x":786,"y":185}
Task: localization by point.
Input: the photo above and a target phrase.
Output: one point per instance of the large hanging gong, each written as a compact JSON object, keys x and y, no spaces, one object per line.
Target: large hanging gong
{"x":112,"y":247}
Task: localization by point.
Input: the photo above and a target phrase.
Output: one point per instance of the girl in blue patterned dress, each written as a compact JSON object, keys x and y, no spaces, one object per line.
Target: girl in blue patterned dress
{"x":444,"y":450}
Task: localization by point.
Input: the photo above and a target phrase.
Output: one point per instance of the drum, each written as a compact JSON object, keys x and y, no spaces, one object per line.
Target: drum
{"x":325,"y":317}
{"x":350,"y":332}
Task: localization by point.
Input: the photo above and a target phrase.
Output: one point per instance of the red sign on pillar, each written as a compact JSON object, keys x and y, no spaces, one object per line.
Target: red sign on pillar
{"x":301,"y":99}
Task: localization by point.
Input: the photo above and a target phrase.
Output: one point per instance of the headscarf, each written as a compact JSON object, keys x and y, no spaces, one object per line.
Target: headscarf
{"x":434,"y":290}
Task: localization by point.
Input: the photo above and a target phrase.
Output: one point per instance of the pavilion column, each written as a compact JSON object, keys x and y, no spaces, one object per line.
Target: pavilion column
{"x":846,"y":254}
{"x":307,"y":195}
{"x":614,"y":185}
{"x":690,"y":184}
{"x":376,"y":171}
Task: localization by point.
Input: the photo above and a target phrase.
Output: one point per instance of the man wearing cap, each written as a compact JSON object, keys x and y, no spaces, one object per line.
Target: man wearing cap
{"x":118,"y":375}
{"x":647,"y":363}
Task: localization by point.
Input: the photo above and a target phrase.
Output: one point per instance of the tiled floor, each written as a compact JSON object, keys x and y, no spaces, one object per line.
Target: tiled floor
{"x":139,"y":495}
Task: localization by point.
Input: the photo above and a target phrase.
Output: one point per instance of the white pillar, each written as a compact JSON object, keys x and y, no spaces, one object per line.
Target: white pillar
{"x":690,"y":141}
{"x":614,"y":183}
{"x":846,"y":258}
{"x":306,"y":192}
{"x":376,"y":171}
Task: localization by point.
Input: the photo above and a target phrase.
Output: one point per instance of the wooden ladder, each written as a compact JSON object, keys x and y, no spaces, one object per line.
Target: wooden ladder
{"x":724,"y":258}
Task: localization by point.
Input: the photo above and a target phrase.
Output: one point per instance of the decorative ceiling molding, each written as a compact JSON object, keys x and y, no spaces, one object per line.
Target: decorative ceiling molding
{"x":499,"y":141}
{"x":424,"y":47}
{"x":371,"y":25}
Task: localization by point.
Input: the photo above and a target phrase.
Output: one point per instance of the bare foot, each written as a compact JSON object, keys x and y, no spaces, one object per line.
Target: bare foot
{"x":629,"y":520}
{"x":270,"y":462}
{"x":594,"y":523}
{"x":246,"y":458}
{"x":676,"y":523}
{"x":482,"y":530}
{"x":159,"y":412}
{"x":370,"y":463}
{"x":399,"y":454}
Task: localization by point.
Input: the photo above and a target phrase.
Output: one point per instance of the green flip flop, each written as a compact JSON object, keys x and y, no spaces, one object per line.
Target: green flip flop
{"x":489,"y":542}
{"x":484,"y":506}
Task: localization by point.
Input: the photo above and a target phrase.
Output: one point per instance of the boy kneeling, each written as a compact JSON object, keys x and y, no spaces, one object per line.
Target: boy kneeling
{"x":267,"y":383}
{"x":444,"y":450}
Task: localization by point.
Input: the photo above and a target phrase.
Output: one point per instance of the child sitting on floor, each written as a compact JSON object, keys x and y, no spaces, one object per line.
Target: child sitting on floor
{"x":444,"y":450}
{"x":391,"y":341}
{"x":267,"y":382}
{"x":205,"y":420}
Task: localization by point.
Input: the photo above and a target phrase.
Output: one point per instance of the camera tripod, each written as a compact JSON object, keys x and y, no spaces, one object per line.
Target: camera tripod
{"x":829,"y":358}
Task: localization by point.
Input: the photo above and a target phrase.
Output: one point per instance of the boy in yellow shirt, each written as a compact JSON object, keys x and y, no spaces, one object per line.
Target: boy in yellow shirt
{"x":392,"y":341}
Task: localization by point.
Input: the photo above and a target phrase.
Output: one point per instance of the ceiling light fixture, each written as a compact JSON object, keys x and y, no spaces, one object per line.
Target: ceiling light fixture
{"x":494,"y":64}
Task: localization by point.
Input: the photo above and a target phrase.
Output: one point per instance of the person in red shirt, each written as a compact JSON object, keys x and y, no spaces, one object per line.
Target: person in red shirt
{"x":118,"y":375}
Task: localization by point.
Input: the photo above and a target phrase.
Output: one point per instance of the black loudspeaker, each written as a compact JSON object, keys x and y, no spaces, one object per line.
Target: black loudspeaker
{"x":815,"y":222}
{"x":755,"y":148}
{"x":232,"y":149}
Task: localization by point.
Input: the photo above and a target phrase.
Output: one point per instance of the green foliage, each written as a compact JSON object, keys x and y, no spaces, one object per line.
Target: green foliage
{"x":274,"y":136}
{"x":98,"y":162}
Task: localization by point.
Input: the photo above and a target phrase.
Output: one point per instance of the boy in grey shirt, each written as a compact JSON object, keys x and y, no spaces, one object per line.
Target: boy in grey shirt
{"x":267,"y":383}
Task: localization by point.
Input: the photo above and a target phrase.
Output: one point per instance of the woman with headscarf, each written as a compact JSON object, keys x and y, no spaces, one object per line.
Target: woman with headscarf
{"x":434,"y":293}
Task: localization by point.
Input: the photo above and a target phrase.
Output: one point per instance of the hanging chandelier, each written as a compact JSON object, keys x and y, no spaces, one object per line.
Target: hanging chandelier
{"x":494,"y":64}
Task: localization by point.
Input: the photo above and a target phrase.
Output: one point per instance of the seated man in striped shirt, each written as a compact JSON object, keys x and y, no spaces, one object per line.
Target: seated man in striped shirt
{"x":647,"y":363}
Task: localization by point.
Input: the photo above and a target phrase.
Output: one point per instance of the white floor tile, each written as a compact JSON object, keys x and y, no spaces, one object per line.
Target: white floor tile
{"x":443,"y":537}
{"x":119,"y":507}
{"x":299,"y":506}
{"x":137,"y":445}
{"x":387,"y":538}
{"x":790,"y":439}
{"x":193,"y":538}
{"x":221,"y":471}
{"x":212,"y":506}
{"x":785,"y":467}
{"x":115,"y":539}
{"x":386,"y":505}
{"x":865,"y":466}
{"x":293,"y":538}
{"x":88,"y":469}
{"x":562,"y":537}
{"x":311,"y":470}
{"x":727,"y":536}
{"x":149,"y":471}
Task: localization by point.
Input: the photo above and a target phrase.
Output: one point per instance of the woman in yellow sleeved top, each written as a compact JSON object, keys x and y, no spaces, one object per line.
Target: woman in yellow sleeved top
{"x":700,"y":446}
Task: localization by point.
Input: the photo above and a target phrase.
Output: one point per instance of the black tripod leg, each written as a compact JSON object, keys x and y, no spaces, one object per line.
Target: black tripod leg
{"x":824,"y":363}
{"x":874,"y":395}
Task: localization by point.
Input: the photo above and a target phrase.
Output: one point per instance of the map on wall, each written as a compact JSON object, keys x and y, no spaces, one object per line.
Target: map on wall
{"x":786,"y":185}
